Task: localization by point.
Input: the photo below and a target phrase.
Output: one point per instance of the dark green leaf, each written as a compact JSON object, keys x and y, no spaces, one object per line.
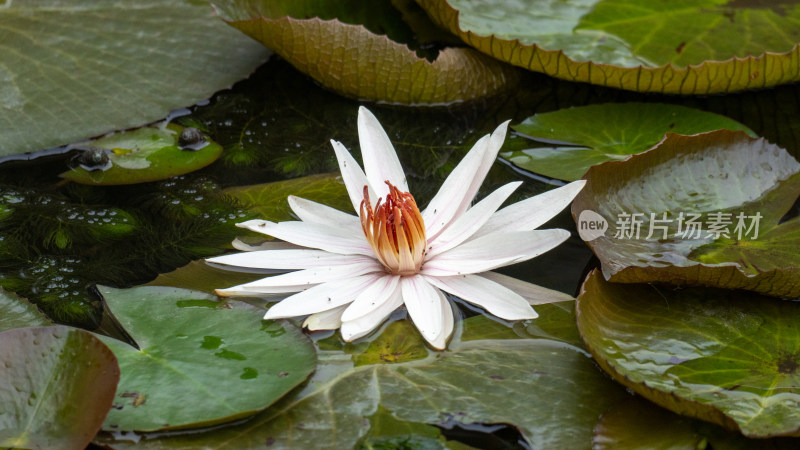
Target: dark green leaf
{"x":19,"y":313}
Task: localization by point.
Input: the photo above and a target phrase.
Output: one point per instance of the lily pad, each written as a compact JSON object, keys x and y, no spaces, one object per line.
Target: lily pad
{"x":688,"y":47}
{"x":218,"y":363}
{"x":728,"y":357}
{"x":595,"y":134}
{"x":19,"y":313}
{"x":58,"y":385}
{"x":482,"y":381}
{"x":356,"y":62}
{"x":199,"y":276}
{"x":76,"y":69}
{"x":142,"y":155}
{"x":714,"y":209}
{"x":637,"y":423}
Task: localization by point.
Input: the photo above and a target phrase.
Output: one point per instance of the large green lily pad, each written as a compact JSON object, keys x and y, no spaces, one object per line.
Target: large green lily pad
{"x":19,"y":313}
{"x":739,"y":192}
{"x":728,"y":357}
{"x":142,"y":155}
{"x":75,"y":69}
{"x":606,"y":132}
{"x":57,"y":385}
{"x":199,"y":362}
{"x":484,"y":381}
{"x":354,"y":61}
{"x":684,"y":47}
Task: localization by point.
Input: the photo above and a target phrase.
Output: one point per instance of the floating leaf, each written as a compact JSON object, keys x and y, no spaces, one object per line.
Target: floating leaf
{"x":199,"y":276}
{"x":79,"y":68}
{"x":217,"y":363}
{"x":484,"y":381}
{"x":19,"y":313}
{"x":598,"y":133}
{"x":637,"y":423}
{"x":355,"y":62}
{"x":738,"y":192}
{"x":692,"y":47}
{"x":729,"y":357}
{"x":142,"y":155}
{"x":58,"y":384}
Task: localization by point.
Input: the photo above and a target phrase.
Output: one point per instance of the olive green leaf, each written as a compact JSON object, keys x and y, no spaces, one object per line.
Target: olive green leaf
{"x":19,"y":313}
{"x":142,"y":155}
{"x":714,"y":209}
{"x":352,"y":60}
{"x":58,"y":383}
{"x":199,"y":276}
{"x":606,"y":132}
{"x":683,"y":47}
{"x":75,"y":69}
{"x":199,"y":361}
{"x":728,"y":357}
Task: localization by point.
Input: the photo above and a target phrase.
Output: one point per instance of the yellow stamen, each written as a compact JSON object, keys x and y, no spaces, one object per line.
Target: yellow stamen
{"x":395,"y":230}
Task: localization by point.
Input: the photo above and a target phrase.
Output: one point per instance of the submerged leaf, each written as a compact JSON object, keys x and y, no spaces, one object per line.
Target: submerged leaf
{"x":728,"y":357}
{"x":715,"y":209}
{"x":684,"y":47}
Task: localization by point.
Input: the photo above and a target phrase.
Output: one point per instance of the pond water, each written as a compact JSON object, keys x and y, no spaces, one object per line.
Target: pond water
{"x":60,"y":239}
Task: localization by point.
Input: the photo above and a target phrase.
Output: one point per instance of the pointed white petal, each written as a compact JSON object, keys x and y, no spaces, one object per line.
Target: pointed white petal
{"x":469,"y":222}
{"x":266,"y":245}
{"x":423,"y":302}
{"x":314,"y":235}
{"x":364,"y":325}
{"x":380,"y":159}
{"x":286,"y":259}
{"x":325,"y":320}
{"x":532,"y":293}
{"x":311,"y":276}
{"x":236,"y":292}
{"x":462,"y":184}
{"x":440,"y":343}
{"x":493,"y":251}
{"x":314,"y":212}
{"x":321,"y":297}
{"x":353,"y":176}
{"x":531,"y":213}
{"x":372,"y":297}
{"x":493,"y":297}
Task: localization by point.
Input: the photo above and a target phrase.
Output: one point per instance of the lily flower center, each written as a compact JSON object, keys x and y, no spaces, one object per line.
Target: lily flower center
{"x":395,"y":230}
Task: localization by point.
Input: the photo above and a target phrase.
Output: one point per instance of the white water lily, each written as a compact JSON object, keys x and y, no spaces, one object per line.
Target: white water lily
{"x":351,"y":272}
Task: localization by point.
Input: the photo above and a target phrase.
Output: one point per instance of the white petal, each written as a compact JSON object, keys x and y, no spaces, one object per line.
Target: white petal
{"x":440,"y":343}
{"x":423,"y":302}
{"x":362,"y":326}
{"x":458,"y":190}
{"x":311,"y":276}
{"x":266,"y":245}
{"x":532,"y":212}
{"x":236,"y":292}
{"x":532,"y":293}
{"x":321,"y":297}
{"x":493,"y":251}
{"x":380,"y":159}
{"x":353,"y":176}
{"x":314,"y":235}
{"x":493,"y":297}
{"x":372,"y":297}
{"x":469,"y":222}
{"x":286,"y":259}
{"x":309,"y":211}
{"x":325,"y":320}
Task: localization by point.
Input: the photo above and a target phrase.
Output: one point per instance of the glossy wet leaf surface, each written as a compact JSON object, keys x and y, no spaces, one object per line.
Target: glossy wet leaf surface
{"x":607,"y":132}
{"x":342,"y":54}
{"x":57,"y":385}
{"x":729,"y":357}
{"x":685,"y":47}
{"x":482,"y":381}
{"x":76,"y":69}
{"x":714,"y":209}
{"x":141,"y":155}
{"x":19,"y":312}
{"x":217,"y":362}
